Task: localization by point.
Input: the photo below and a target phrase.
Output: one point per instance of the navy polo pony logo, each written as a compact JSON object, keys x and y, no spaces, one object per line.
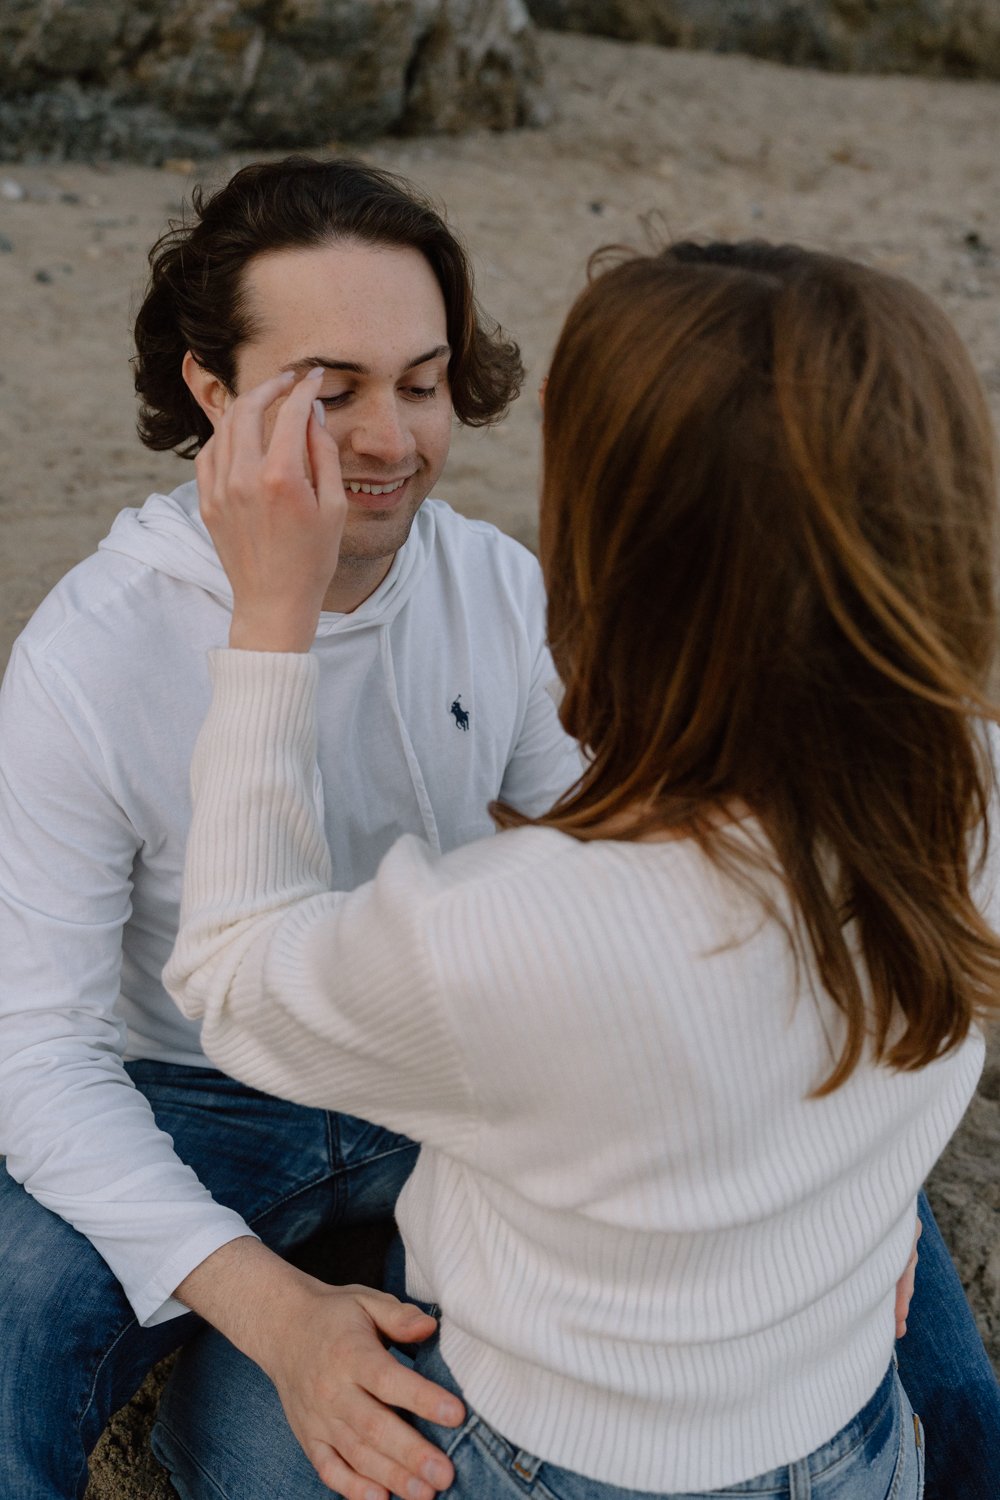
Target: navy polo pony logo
{"x":461,"y":715}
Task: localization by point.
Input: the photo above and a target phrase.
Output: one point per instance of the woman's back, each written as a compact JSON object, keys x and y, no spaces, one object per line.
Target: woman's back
{"x":626,"y":1193}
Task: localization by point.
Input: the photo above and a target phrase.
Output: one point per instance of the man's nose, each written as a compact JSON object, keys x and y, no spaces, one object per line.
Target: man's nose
{"x":381,"y":432}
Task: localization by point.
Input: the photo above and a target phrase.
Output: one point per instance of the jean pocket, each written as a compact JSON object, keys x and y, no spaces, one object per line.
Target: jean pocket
{"x":908,"y":1476}
{"x":918,"y":1428}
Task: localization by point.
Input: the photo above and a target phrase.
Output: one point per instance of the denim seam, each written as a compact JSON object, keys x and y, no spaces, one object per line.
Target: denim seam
{"x":328,"y":1117}
{"x":848,"y":1453}
{"x":290,"y":1197}
{"x":190,"y":1456}
{"x":356,"y":1166}
{"x":88,"y":1402}
{"x":501,"y":1455}
{"x":900,"y":1468}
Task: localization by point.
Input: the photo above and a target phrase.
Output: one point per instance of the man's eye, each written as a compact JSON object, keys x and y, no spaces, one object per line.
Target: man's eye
{"x":421,"y":392}
{"x":337,"y":400}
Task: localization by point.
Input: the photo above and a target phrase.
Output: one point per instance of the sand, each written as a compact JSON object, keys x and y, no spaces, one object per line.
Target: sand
{"x":903,"y":173}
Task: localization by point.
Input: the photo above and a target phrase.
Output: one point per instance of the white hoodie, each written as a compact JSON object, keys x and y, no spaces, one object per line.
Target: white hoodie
{"x":435,"y":698}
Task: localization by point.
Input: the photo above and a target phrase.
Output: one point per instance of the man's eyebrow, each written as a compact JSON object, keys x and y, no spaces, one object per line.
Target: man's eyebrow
{"x":353,"y":368}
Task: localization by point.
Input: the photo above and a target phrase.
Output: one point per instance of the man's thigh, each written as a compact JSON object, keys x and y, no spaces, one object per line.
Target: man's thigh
{"x":73,"y":1352}
{"x":221,"y":1433}
{"x":947,"y":1375}
{"x":287,"y":1170}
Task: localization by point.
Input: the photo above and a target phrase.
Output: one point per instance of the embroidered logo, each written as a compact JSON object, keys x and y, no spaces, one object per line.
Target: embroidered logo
{"x":461,"y":714}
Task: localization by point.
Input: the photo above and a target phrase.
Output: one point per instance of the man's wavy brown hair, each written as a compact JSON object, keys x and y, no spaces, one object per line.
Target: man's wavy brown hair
{"x":196,"y":296}
{"x":768,"y":530}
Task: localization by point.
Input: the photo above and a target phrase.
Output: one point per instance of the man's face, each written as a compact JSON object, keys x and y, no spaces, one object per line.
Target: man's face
{"x":374,"y":317}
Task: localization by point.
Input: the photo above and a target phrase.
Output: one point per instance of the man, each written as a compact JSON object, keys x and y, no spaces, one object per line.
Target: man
{"x":136,"y":1176}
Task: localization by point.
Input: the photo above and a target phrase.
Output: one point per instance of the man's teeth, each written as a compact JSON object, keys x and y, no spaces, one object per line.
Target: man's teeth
{"x":374,"y":489}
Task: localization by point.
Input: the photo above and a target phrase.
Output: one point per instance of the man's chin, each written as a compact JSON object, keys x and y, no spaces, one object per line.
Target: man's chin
{"x":371,"y":534}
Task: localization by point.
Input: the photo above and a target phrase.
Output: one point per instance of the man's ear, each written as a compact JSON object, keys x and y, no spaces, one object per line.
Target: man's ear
{"x":207,"y":389}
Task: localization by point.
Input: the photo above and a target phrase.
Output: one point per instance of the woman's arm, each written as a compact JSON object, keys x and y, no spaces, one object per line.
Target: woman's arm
{"x":327,"y":999}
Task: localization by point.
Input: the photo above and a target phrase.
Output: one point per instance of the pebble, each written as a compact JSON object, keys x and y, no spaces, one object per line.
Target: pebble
{"x":44,"y":277}
{"x":12,"y":191}
{"x":6,"y":247}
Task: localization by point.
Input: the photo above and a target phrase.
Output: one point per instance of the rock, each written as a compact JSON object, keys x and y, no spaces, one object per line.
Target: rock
{"x":186,"y":79}
{"x":477,"y":63}
{"x":956,"y":37}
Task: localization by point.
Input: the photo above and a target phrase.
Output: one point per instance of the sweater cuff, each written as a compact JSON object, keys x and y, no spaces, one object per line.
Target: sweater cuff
{"x":279,"y":682}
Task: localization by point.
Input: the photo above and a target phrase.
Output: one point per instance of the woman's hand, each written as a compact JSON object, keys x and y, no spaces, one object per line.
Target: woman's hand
{"x":904,"y":1286}
{"x":275,"y":510}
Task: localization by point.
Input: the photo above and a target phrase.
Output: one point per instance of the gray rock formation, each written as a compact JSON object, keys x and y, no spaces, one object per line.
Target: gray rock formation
{"x":956,"y":37}
{"x":91,"y":78}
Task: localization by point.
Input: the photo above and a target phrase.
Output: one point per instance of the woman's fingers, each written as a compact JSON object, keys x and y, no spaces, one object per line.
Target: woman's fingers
{"x":204,"y":468}
{"x":905,"y":1285}
{"x":324,"y":460}
{"x":287,"y":450}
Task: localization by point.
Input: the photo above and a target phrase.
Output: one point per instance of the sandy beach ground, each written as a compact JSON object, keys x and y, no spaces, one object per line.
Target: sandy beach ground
{"x":903,"y":173}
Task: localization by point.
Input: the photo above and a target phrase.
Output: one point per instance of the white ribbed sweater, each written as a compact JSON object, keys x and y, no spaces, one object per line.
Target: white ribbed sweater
{"x":659,"y":1262}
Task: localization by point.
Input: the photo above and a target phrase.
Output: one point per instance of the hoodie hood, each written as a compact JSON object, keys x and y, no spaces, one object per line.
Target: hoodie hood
{"x":168,"y":535}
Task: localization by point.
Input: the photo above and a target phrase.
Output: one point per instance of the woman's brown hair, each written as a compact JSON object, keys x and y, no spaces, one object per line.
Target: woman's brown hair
{"x":195,"y":297}
{"x":768,"y":530}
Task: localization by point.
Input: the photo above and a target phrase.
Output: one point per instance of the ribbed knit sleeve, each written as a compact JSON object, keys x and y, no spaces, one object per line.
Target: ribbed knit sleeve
{"x":323,"y":998}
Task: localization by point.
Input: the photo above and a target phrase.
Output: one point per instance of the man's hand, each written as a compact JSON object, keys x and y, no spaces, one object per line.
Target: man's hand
{"x":275,"y":507}
{"x":323,"y":1348}
{"x":904,"y":1286}
{"x":338,"y":1386}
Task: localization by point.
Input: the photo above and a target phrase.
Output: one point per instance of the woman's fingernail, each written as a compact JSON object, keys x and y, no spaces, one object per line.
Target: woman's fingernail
{"x":319,"y":412}
{"x":316,"y":373}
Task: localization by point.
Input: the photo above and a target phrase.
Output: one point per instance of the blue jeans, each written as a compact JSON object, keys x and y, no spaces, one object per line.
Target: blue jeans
{"x":72,"y":1351}
{"x":214,"y":1455}
{"x":948,"y":1377}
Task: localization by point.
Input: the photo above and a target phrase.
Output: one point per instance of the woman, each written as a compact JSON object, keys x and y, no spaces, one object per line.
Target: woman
{"x":681,"y":1051}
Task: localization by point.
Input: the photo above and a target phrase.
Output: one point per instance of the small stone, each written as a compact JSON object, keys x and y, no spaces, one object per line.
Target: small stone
{"x":71,"y":198}
{"x":979,"y":251}
{"x":45,"y":277}
{"x":12,"y":191}
{"x":597,"y":207}
{"x":6,"y":247}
